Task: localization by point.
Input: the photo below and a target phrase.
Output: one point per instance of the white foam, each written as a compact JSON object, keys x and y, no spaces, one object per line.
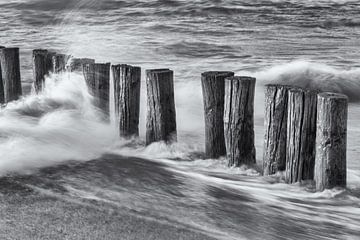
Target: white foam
{"x":313,"y":75}
{"x":57,"y":125}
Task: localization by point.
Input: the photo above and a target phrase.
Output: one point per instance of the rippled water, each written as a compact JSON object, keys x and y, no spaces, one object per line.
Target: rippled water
{"x":170,"y":188}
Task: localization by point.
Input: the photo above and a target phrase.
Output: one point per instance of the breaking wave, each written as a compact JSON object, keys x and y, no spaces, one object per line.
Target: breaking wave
{"x":313,"y":75}
{"x":57,"y":125}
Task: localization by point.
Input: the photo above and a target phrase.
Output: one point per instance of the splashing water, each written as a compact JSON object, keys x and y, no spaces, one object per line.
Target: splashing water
{"x":58,"y":124}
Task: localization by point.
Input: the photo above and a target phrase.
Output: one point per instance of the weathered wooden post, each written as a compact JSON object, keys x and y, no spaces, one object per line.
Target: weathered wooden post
{"x":97,"y":77}
{"x":213,"y":89}
{"x":41,"y":67}
{"x":2,"y":97}
{"x":301,"y":135}
{"x":127,"y":80}
{"x":239,"y":120}
{"x":275,"y":125}
{"x":89,"y":76}
{"x":76,"y":64}
{"x":59,"y":63}
{"x":102,"y":75}
{"x":10,"y":69}
{"x":49,"y":61}
{"x":161,"y":115}
{"x":330,"y":165}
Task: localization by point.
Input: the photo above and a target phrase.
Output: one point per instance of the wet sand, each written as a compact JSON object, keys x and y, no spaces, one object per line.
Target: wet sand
{"x":26,"y":214}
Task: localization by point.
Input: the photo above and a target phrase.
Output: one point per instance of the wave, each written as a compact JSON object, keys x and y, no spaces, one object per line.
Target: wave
{"x":312,"y":75}
{"x":60,"y":124}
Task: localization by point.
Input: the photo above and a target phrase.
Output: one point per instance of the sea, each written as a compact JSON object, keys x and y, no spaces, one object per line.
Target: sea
{"x":66,"y":174}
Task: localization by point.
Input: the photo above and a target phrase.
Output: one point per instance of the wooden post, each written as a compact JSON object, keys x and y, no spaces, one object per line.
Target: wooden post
{"x":59,"y":63}
{"x":127,"y":80}
{"x":97,"y":77}
{"x":239,"y":120}
{"x":330,"y":166}
{"x":41,"y":67}
{"x":10,"y":69}
{"x":89,"y":76}
{"x":213,"y":89}
{"x":301,"y":135}
{"x":161,"y":115}
{"x":275,"y":125}
{"x":76,"y":64}
{"x":2,"y":96}
{"x":49,"y":61}
{"x":102,"y":76}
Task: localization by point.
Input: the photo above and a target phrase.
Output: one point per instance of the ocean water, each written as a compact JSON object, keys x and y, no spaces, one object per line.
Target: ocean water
{"x":56,"y":140}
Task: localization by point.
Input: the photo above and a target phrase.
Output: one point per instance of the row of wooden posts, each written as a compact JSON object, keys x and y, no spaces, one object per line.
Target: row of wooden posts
{"x":305,"y":130}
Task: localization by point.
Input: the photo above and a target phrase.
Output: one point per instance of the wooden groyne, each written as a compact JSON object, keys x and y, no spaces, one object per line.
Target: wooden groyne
{"x":213,"y":88}
{"x":275,"y":126}
{"x":239,"y":120}
{"x":42,"y":66}
{"x":2,"y":94}
{"x":310,"y":128}
{"x":301,"y":135}
{"x":161,"y":115}
{"x":97,"y":77}
{"x":59,"y":62}
{"x":77,"y":64}
{"x":10,"y":72}
{"x":127,"y":83}
{"x":305,"y":130}
{"x":330,"y":164}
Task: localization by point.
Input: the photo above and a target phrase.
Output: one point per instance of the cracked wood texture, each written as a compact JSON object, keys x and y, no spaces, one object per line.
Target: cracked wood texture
{"x":76,"y":64}
{"x":59,"y":62}
{"x":239,"y":120}
{"x":127,"y":82}
{"x":275,"y":125}
{"x":49,"y":61}
{"x":301,"y":135}
{"x":97,"y":78}
{"x":213,"y":90}
{"x":330,"y":166}
{"x":10,"y":70}
{"x":2,"y":97}
{"x":89,"y":76}
{"x":161,"y":115}
{"x":41,"y":67}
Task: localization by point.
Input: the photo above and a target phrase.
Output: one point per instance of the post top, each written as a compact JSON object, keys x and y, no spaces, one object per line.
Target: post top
{"x":59,"y":55}
{"x":217,"y":74}
{"x":40,"y":51}
{"x":95,"y":65}
{"x":90,"y":60}
{"x":331,"y":95}
{"x":9,"y":49}
{"x":278,"y":85}
{"x":125,"y":66}
{"x":296,"y":89}
{"x":312,"y":91}
{"x":306,"y":91}
{"x":101,"y":64}
{"x":156,"y":70}
{"x":240,"y":78}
